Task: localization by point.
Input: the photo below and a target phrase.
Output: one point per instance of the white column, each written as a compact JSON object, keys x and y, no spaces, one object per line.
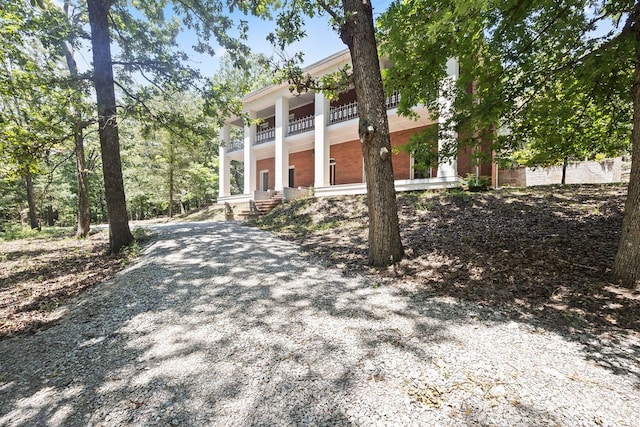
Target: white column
{"x":321,"y":147}
{"x":447,"y":134}
{"x":282,"y":150}
{"x":249,"y":156}
{"x":224,"y":164}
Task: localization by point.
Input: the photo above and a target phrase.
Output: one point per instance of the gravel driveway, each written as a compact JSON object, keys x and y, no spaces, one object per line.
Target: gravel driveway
{"x":220,"y":324}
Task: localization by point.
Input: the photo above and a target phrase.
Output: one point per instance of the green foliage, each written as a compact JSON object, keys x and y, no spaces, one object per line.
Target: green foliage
{"x":232,"y":81}
{"x":478,"y":183}
{"x":554,"y":74}
{"x":13,"y":231}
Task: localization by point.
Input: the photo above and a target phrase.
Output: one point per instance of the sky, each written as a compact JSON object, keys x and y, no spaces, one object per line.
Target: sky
{"x":321,"y":40}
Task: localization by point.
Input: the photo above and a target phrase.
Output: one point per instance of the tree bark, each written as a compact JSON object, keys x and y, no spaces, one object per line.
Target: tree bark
{"x":84,"y":212}
{"x":31,"y":200}
{"x":119,"y":232}
{"x":626,"y":266}
{"x":171,"y":181}
{"x":385,"y":246}
{"x":565,"y":163}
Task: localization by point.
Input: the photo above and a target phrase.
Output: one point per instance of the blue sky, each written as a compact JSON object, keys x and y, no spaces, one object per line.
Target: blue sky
{"x":320,"y":42}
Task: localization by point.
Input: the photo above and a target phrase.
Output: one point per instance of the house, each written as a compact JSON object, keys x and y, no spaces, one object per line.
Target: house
{"x":307,"y":141}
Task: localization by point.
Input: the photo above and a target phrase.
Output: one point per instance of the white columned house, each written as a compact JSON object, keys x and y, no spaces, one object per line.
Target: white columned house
{"x":306,"y":141}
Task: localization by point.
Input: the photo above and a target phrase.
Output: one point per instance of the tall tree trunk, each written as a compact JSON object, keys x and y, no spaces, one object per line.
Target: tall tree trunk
{"x":171,"y":201}
{"x":119,"y":232}
{"x":565,"y":163}
{"x":84,"y":210}
{"x":385,"y":246}
{"x":31,"y":200}
{"x":626,"y":266}
{"x":82,"y":177}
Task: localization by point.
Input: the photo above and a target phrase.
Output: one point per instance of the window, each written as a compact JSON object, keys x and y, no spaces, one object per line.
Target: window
{"x":420,"y":170}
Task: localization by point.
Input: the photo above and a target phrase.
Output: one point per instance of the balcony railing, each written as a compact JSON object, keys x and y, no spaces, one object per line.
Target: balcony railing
{"x":393,"y":100}
{"x":301,"y":125}
{"x":235,"y":145}
{"x":343,"y":112}
{"x":349,"y":111}
{"x":265,"y":135}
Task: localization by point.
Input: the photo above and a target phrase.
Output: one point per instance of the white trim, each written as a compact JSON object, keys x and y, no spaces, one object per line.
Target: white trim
{"x":332,"y":171}
{"x":400,"y":185}
{"x":412,"y":171}
{"x":236,"y":198}
{"x":262,"y":174}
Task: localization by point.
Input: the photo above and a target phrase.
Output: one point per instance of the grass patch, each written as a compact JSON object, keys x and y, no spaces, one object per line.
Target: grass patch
{"x":12,"y":232}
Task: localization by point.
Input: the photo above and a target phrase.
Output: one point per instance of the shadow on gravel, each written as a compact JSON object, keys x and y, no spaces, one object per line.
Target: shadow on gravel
{"x":542,"y":256}
{"x":205,"y":327}
{"x":543,"y":259}
{"x":221,"y":324}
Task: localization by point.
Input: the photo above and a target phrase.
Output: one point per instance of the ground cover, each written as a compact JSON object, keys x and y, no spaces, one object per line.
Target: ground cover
{"x":40,"y":274}
{"x":541,"y":254}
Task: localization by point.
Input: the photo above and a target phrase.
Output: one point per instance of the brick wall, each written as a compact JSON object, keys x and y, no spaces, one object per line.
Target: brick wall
{"x":266,"y":164}
{"x":303,"y":163}
{"x":303,"y":111}
{"x":344,"y":98}
{"x":466,"y":162}
{"x":402,"y":160}
{"x":348,"y":157}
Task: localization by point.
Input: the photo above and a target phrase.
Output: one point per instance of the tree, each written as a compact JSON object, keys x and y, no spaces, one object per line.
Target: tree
{"x":353,"y":19}
{"x":512,"y":51}
{"x":119,"y":233}
{"x":168,"y":160}
{"x":563,"y":123}
{"x":79,"y":126}
{"x":33,"y":99}
{"x":146,"y":41}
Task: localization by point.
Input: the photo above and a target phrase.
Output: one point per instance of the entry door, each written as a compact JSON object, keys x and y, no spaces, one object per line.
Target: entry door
{"x":291,"y":176}
{"x":264,"y":180}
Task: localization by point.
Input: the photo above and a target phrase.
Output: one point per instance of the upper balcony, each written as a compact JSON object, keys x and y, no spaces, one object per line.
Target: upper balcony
{"x":301,"y":125}
{"x":236,"y":144}
{"x":349,"y":110}
{"x":302,"y":117}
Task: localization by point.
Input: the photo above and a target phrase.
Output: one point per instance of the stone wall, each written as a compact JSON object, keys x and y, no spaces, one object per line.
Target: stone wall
{"x":590,"y":172}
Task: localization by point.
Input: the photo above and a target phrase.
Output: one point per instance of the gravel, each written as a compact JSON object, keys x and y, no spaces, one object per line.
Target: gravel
{"x":221,"y":324}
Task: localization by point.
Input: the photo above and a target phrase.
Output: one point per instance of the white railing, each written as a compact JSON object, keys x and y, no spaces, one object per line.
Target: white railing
{"x":301,"y":125}
{"x":349,"y":111}
{"x":265,"y":135}
{"x":235,"y":145}
{"x":393,"y":100}
{"x":343,"y":113}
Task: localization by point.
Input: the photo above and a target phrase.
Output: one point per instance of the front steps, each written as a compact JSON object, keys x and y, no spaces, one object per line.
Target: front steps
{"x":262,"y":207}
